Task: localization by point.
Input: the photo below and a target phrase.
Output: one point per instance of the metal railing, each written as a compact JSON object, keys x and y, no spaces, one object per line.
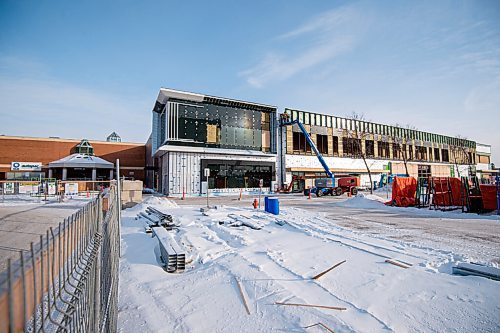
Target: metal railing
{"x":68,"y":281}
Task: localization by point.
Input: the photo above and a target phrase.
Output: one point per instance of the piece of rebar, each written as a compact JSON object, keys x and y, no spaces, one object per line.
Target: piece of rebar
{"x":313,"y":306}
{"x":242,"y":295}
{"x":323,"y":325}
{"x":396,"y":263}
{"x":329,"y":269}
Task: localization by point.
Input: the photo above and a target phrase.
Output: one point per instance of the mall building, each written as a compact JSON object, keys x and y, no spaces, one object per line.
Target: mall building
{"x":243,"y":142}
{"x":29,"y":158}
{"x":387,"y":150}
{"x":244,"y":145}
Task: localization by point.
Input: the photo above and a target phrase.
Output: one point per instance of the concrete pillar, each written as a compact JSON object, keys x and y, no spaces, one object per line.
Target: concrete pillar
{"x":94,"y":174}
{"x":111,"y":174}
{"x":65,"y":174}
{"x":50,"y":173}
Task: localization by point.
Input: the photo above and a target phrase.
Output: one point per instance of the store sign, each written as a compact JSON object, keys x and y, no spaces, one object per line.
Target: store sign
{"x":26,"y":166}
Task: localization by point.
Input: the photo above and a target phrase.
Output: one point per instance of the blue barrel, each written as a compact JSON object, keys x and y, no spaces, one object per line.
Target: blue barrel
{"x":266,"y":204}
{"x":273,"y":205}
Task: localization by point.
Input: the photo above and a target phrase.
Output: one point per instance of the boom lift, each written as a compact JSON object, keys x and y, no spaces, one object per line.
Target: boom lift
{"x":347,"y":184}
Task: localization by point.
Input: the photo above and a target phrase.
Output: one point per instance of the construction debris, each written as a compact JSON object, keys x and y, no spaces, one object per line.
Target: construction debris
{"x":242,"y":295}
{"x":477,"y":270}
{"x":397,"y":263}
{"x":322,"y":325}
{"x":313,"y":306}
{"x":246,"y":221}
{"x":329,"y":269}
{"x":171,"y":253}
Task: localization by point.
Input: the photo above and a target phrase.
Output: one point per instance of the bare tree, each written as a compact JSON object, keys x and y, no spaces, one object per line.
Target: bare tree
{"x":401,"y":141}
{"x":359,"y":132}
{"x":461,"y":153}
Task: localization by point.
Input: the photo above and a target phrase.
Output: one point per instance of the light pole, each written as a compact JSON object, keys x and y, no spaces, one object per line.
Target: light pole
{"x":207,"y":174}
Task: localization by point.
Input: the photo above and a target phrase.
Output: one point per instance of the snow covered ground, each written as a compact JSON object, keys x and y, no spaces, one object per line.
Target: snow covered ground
{"x":277,"y":263}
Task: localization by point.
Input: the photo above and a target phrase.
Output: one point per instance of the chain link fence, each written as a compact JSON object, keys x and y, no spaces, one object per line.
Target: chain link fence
{"x":68,"y":281}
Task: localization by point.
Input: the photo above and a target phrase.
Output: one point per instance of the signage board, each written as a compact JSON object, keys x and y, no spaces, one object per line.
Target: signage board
{"x":9,"y":188}
{"x":71,"y":188}
{"x":27,"y":188}
{"x":51,"y":188}
{"x":26,"y":166}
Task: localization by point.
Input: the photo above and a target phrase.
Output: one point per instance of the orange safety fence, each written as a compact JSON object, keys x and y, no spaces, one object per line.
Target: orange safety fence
{"x":441,"y":196}
{"x":489,"y":194}
{"x":404,"y":190}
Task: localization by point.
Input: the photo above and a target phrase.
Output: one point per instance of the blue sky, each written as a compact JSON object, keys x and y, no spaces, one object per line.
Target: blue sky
{"x":85,"y":69}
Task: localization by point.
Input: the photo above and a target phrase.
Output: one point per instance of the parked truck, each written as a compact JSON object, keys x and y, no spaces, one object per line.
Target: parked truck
{"x":324,"y":186}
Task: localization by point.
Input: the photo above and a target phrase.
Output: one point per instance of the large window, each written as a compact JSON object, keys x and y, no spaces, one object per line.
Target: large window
{"x":445,"y":155}
{"x":420,"y":153}
{"x":483,"y":159}
{"x":369,"y":148}
{"x":396,"y":151}
{"x":238,"y":174}
{"x":322,"y":143}
{"x":383,"y":149}
{"x":351,"y":147}
{"x":424,"y":171}
{"x":299,"y":143}
{"x":436,"y":154}
{"x":335,"y":146}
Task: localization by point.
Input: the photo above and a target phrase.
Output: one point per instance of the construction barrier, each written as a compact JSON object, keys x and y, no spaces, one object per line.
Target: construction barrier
{"x":489,"y":194}
{"x":404,"y":190}
{"x":447,"y":191}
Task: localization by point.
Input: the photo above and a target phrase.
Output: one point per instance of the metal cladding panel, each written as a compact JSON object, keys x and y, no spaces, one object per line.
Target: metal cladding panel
{"x":184,"y":170}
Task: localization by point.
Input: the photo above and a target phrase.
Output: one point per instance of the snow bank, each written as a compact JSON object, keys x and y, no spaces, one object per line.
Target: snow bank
{"x":160,"y":201}
{"x":276,"y":263}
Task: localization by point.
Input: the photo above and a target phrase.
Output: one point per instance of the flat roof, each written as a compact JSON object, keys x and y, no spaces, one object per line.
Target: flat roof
{"x":57,"y":139}
{"x":166,"y":93}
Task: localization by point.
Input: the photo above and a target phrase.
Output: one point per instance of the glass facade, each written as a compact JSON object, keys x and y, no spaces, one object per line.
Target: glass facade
{"x":238,"y":174}
{"x":201,"y":124}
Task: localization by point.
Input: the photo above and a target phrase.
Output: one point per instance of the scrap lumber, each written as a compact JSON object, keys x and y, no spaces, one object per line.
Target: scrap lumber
{"x":396,"y":263}
{"x":329,"y":269}
{"x":477,"y":270}
{"x":313,"y":306}
{"x":246,"y":221}
{"x":321,"y":324}
{"x":242,"y":295}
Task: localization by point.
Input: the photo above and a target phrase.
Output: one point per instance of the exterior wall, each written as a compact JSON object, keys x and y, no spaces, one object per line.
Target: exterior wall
{"x":181,"y":172}
{"x":132,"y":155}
{"x":338,"y":165}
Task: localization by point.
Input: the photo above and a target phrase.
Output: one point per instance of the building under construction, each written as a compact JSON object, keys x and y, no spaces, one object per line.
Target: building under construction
{"x":243,"y":142}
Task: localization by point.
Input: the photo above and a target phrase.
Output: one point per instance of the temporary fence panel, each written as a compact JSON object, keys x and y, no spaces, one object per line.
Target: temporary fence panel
{"x":68,"y":281}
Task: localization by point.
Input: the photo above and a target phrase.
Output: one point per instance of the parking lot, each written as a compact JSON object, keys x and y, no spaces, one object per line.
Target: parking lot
{"x":23,"y":222}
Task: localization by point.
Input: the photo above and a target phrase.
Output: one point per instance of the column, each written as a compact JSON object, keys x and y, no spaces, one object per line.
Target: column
{"x":111,"y":174}
{"x":65,"y":174}
{"x":94,"y":174}
{"x":50,"y":173}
